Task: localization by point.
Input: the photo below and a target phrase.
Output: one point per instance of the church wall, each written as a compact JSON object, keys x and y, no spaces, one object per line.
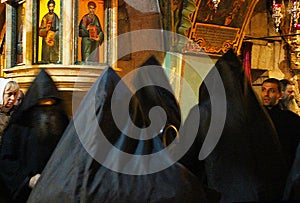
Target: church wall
{"x":120,"y":18}
{"x":138,"y":20}
{"x":269,"y":56}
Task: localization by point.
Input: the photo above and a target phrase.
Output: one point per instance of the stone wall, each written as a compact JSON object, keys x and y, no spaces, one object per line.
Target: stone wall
{"x":269,"y":57}
{"x":268,"y":52}
{"x":141,"y":19}
{"x":267,"y":49}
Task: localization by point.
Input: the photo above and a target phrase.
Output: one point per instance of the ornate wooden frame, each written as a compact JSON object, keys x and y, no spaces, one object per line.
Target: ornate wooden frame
{"x":214,"y":32}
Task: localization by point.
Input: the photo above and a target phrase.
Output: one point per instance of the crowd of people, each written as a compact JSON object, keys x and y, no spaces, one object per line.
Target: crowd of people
{"x":31,"y":127}
{"x":277,"y":97}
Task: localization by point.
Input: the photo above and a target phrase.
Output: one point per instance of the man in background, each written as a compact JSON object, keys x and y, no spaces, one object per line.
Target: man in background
{"x":287,"y":101}
{"x":286,"y":122}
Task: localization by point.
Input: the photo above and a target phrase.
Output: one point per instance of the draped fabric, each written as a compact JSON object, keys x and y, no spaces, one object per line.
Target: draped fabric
{"x":292,"y":189}
{"x":89,"y":163}
{"x":31,"y":136}
{"x":247,"y":163}
{"x":247,"y":49}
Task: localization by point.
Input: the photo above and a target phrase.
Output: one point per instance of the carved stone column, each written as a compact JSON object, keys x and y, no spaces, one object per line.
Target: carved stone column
{"x":68,"y":33}
{"x":113,"y":43}
{"x":27,"y":48}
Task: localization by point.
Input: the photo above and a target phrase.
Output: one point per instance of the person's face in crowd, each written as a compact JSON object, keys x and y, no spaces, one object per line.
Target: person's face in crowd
{"x":270,"y":94}
{"x":92,"y":10}
{"x":51,"y":7}
{"x":19,"y":97}
{"x":9,"y":98}
{"x":289,"y":93}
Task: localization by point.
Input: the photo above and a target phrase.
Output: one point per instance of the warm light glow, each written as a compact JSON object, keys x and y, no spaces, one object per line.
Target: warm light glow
{"x":46,"y":102}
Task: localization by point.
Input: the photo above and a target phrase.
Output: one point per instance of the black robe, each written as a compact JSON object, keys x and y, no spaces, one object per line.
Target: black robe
{"x":247,"y":163}
{"x":292,"y":189}
{"x":31,"y":136}
{"x":88,"y":166}
{"x":287,"y":124}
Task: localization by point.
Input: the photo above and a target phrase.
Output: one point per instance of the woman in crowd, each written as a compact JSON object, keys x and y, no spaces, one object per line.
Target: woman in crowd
{"x":8,"y":95}
{"x":9,"y":90}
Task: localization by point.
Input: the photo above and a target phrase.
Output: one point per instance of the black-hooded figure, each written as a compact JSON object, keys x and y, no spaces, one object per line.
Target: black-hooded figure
{"x":31,"y":136}
{"x":90,"y":165}
{"x":244,"y":162}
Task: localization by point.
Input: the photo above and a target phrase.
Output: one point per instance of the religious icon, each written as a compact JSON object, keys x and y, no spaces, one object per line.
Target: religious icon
{"x":49,"y":33}
{"x":91,"y":32}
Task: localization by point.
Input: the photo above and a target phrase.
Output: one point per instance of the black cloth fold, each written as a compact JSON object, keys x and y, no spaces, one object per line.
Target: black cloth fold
{"x":245,"y":162}
{"x":95,"y":161}
{"x":292,"y":189}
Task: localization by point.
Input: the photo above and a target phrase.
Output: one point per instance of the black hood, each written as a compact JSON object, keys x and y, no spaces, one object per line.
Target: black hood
{"x":42,"y":87}
{"x":243,"y":160}
{"x":31,"y":136}
{"x":88,"y":164}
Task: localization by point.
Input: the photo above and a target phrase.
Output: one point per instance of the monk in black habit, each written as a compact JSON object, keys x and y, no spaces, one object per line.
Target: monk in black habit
{"x":31,"y":136}
{"x":247,"y":163}
{"x":74,"y":172}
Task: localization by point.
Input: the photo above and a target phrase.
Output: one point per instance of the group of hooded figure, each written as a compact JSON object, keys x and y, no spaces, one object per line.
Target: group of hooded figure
{"x":93,"y":158}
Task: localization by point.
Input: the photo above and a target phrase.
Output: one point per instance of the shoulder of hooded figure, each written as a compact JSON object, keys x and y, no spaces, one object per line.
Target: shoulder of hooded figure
{"x":291,"y":117}
{"x":291,"y":114}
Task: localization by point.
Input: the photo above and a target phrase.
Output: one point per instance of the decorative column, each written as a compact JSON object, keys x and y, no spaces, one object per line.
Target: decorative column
{"x":27,"y":48}
{"x":68,"y":33}
{"x":10,"y":36}
{"x":112,"y":45}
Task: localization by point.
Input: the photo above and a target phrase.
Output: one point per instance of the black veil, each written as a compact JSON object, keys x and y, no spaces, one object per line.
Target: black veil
{"x":247,"y":163}
{"x":95,"y":161}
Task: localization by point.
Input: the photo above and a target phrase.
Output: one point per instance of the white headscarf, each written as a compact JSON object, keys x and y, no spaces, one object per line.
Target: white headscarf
{"x":3,"y":83}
